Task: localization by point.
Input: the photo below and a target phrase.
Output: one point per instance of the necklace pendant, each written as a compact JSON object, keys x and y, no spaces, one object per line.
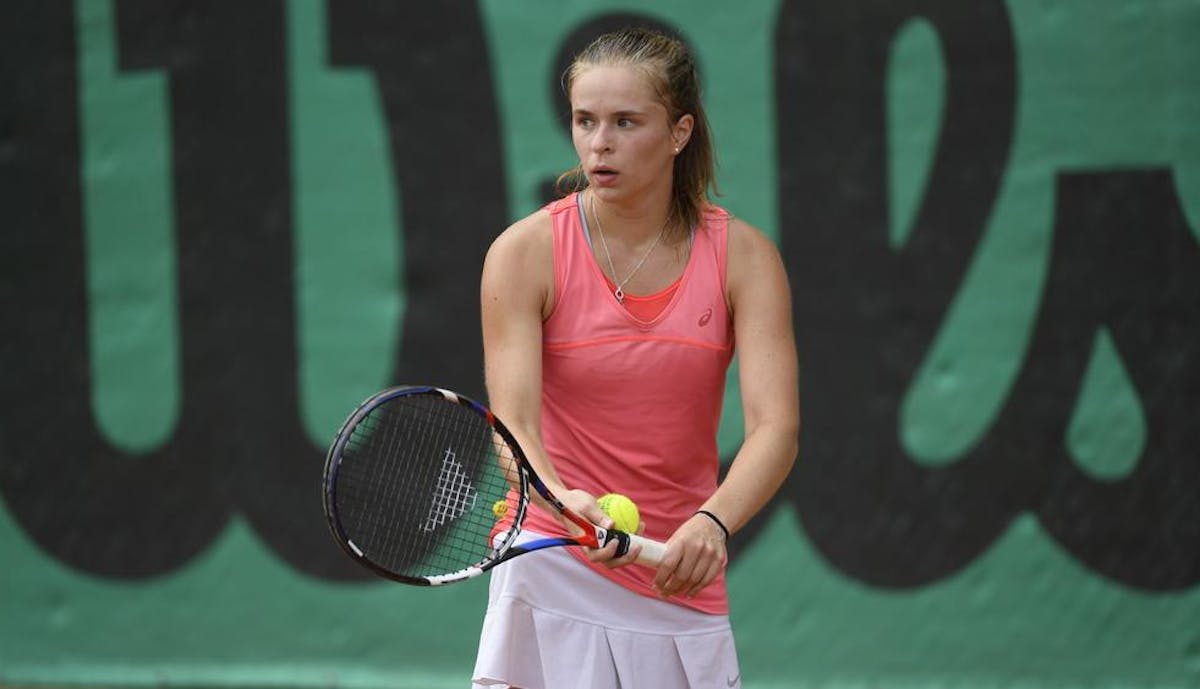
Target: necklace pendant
{"x":620,"y":295}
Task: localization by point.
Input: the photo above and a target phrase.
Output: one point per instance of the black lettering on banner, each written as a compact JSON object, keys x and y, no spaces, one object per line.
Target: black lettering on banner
{"x":867,"y":315}
{"x":81,"y":500}
{"x":239,"y":444}
{"x":1123,"y":259}
{"x":432,"y":69}
{"x":240,"y":416}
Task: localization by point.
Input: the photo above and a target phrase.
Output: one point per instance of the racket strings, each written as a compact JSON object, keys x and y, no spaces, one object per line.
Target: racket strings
{"x":420,"y":486}
{"x":383,"y":474}
{"x":453,"y":494}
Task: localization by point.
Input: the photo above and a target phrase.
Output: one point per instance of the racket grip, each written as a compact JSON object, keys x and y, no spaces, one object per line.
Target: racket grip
{"x":652,"y":551}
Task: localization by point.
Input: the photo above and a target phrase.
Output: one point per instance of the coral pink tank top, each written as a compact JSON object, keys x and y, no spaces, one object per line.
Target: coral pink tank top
{"x":632,"y":406}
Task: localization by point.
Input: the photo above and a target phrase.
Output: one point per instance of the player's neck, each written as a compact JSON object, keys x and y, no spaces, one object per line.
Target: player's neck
{"x":631,"y":221}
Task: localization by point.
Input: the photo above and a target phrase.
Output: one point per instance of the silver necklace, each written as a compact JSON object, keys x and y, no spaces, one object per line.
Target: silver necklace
{"x":619,"y":293}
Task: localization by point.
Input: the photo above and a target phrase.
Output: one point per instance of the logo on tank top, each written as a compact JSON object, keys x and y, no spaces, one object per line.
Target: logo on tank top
{"x":705,"y":318}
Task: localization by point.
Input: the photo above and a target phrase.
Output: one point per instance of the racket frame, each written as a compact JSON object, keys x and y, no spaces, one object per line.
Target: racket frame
{"x":593,"y":536}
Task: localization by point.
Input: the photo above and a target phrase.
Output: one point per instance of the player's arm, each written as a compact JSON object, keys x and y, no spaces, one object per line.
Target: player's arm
{"x":516,"y":295}
{"x":766,"y":350}
{"x":515,"y":291}
{"x":760,"y":300}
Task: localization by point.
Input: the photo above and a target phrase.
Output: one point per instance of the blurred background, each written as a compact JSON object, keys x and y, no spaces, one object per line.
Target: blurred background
{"x":223,"y":224}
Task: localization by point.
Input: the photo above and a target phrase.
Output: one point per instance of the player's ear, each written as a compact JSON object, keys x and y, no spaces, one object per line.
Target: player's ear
{"x":681,"y":131}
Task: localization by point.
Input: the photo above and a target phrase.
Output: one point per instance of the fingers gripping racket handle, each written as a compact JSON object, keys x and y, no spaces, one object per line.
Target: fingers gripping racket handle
{"x":652,"y":551}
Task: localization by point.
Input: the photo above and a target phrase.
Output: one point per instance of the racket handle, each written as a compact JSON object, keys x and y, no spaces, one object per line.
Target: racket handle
{"x":652,"y":551}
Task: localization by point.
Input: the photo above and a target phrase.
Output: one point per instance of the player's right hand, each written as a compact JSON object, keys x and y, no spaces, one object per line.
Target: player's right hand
{"x":584,"y":504}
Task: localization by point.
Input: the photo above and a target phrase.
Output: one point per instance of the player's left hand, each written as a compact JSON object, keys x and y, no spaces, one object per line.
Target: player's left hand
{"x":695,"y":556}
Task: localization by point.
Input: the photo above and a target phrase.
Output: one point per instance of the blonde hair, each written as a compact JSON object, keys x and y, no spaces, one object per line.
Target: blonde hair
{"x":671,"y":72}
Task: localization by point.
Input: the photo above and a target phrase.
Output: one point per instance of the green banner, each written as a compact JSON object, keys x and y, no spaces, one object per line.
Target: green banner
{"x":225,"y":224}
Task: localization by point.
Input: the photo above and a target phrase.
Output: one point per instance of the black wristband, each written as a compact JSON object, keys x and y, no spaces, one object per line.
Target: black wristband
{"x":713,"y":517}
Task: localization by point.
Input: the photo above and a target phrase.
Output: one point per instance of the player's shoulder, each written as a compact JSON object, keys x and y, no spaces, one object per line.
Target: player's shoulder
{"x":520,"y":262}
{"x":526,"y":234}
{"x":747,"y":240}
{"x":754,"y":262}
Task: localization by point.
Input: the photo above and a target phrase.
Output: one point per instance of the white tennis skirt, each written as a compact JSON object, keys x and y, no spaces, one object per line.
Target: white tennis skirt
{"x":552,"y":623}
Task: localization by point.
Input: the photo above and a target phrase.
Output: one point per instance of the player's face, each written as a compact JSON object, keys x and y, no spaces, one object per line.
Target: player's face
{"x":625,"y":141}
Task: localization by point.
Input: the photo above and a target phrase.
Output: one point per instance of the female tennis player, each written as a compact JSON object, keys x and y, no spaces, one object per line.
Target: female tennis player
{"x":609,"y":320}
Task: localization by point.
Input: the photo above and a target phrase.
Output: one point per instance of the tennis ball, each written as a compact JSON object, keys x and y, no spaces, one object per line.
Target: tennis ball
{"x":622,"y":511}
{"x":500,"y":508}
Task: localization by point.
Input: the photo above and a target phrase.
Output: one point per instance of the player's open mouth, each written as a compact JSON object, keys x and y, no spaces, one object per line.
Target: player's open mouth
{"x":603,"y":175}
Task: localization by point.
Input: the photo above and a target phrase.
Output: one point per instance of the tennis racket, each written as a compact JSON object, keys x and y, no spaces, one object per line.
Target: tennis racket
{"x":427,"y":487}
